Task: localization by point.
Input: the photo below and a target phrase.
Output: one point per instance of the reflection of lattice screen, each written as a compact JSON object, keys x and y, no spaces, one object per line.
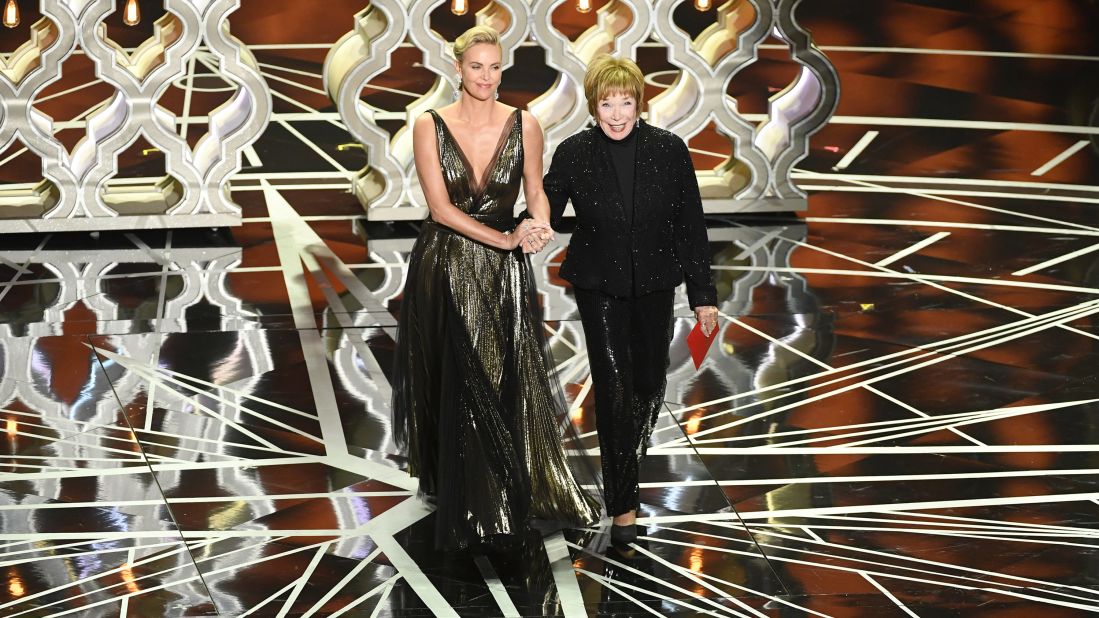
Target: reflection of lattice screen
{"x":756,"y":175}
{"x":80,"y":189}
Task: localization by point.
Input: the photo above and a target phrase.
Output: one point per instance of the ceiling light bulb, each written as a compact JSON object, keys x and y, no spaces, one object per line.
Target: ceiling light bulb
{"x":11,"y":14}
{"x":131,"y":15}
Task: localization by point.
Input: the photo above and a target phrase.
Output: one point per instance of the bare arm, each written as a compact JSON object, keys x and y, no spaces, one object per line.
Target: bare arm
{"x":537,"y":202}
{"x":426,"y":152}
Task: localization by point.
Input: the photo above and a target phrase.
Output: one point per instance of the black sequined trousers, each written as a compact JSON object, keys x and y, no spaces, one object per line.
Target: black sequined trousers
{"x":627,"y":341}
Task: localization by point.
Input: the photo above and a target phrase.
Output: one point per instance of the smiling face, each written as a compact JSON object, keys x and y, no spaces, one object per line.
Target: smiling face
{"x":616,"y":114}
{"x":480,"y":70}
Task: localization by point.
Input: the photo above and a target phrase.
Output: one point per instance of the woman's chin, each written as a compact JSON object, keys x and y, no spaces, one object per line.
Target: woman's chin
{"x":617,"y":134}
{"x":480,"y":96}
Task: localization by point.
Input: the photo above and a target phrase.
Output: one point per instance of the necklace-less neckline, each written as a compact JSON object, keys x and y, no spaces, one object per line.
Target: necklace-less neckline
{"x":625,"y":142}
{"x":477,"y":186}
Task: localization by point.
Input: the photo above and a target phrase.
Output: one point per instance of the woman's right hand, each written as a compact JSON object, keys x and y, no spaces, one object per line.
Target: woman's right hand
{"x":527,"y":235}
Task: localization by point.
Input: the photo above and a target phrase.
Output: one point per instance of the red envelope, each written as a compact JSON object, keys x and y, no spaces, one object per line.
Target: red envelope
{"x":699,"y":344}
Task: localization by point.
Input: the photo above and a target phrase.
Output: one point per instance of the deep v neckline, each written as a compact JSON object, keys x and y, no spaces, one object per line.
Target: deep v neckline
{"x":477,"y":187}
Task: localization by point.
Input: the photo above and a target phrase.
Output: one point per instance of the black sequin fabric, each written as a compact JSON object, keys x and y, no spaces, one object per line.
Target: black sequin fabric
{"x":476,"y":403}
{"x":627,"y":341}
{"x":663,"y":244}
{"x":624,"y":261}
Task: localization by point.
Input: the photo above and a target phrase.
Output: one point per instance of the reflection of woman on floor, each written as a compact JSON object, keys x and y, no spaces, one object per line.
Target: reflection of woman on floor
{"x":474,"y":401}
{"x":639,"y":234}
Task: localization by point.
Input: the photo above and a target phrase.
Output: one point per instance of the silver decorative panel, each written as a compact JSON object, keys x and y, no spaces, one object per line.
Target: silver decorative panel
{"x":191,"y":277}
{"x":76,"y":191}
{"x":756,"y":175}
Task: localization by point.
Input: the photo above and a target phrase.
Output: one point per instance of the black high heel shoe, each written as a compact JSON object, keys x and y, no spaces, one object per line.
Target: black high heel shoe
{"x":623,"y":535}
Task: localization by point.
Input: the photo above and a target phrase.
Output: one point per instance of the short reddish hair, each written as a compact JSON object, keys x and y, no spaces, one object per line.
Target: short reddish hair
{"x":608,"y":75}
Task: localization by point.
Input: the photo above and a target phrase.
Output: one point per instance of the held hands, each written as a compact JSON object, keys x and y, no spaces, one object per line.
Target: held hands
{"x":532,"y":235}
{"x":707,"y":317}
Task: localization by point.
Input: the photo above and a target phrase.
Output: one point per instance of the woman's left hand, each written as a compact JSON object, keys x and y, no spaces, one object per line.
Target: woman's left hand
{"x":707,"y":317}
{"x":541,"y":235}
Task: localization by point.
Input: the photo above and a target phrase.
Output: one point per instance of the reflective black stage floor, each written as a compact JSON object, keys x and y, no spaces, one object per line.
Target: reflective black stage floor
{"x":196,"y":423}
{"x":900,"y":417}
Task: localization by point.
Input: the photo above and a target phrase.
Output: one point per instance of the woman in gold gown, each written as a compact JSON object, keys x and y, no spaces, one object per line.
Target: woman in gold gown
{"x":476,"y":404}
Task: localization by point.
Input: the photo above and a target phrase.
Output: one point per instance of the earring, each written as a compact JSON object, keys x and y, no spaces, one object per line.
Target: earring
{"x":458,"y":92}
{"x":496,"y":95}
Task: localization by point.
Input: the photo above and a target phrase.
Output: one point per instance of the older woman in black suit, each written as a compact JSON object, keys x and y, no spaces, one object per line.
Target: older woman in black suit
{"x":639,"y":234}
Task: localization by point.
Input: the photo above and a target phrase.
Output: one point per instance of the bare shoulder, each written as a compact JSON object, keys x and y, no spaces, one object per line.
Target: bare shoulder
{"x":423,"y":133}
{"x":424,"y":123}
{"x":531,"y":126}
{"x":446,"y":111}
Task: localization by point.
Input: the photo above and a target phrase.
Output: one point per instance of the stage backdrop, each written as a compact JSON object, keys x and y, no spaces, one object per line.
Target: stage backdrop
{"x":84,"y":86}
{"x":691,"y":96}
{"x":129,"y":114}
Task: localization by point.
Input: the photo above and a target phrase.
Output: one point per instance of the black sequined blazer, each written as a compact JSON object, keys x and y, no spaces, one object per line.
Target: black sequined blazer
{"x":667,"y":244}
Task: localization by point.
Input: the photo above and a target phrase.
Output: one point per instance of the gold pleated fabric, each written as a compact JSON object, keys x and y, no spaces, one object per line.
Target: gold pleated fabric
{"x":476,"y":403}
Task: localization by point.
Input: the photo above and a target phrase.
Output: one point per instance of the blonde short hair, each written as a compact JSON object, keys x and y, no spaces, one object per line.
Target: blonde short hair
{"x":475,"y":36}
{"x":608,"y":75}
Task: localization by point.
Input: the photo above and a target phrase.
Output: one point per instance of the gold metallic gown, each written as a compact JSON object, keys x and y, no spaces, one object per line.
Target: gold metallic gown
{"x":475,"y":401}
